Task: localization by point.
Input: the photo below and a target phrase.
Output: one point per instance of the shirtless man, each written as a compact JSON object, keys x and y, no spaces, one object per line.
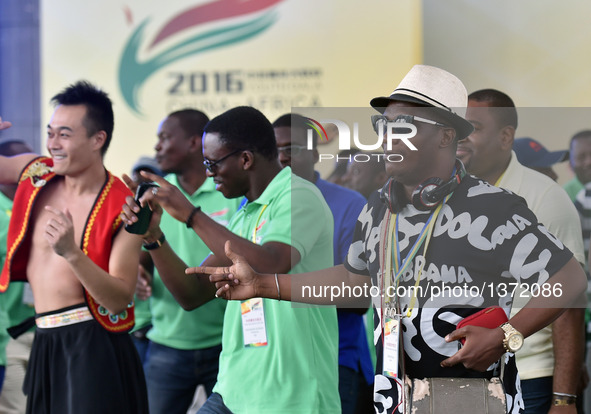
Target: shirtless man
{"x":65,"y":238}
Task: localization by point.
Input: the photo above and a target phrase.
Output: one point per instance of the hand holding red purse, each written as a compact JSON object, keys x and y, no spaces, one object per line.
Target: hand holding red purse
{"x":490,"y":318}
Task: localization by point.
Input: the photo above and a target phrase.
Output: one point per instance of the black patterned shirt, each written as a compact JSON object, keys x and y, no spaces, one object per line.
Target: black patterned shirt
{"x":484,"y":242}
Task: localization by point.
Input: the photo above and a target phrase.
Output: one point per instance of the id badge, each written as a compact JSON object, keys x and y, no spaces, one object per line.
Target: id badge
{"x":254,"y":330}
{"x":391,"y":345}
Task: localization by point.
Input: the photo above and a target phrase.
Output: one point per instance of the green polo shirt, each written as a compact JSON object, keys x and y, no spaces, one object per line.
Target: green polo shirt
{"x":297,"y":371}
{"x":573,"y":187}
{"x":143,"y":315}
{"x":172,"y":326}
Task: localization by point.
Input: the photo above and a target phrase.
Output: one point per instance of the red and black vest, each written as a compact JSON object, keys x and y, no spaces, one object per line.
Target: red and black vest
{"x":100,"y":229}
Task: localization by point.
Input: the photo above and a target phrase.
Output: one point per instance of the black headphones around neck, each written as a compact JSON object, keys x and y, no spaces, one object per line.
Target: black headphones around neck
{"x":426,"y":196}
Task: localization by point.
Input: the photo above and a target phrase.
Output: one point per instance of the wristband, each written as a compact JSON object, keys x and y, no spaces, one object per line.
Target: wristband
{"x":560,"y":399}
{"x":156,"y":244}
{"x":189,"y":221}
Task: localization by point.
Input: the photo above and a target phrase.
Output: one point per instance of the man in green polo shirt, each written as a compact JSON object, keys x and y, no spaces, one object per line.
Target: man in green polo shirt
{"x":275,"y":358}
{"x":184,"y":346}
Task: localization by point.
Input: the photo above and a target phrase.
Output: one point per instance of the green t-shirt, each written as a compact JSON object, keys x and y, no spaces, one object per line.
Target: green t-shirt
{"x":297,"y":371}
{"x":17,"y":303}
{"x":143,"y":315}
{"x":172,"y":326}
{"x":573,"y":187}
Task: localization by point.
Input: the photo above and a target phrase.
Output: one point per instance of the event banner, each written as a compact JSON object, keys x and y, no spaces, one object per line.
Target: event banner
{"x":156,"y":57}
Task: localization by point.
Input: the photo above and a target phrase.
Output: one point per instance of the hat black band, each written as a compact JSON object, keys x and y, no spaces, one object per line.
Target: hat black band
{"x":421,"y":94}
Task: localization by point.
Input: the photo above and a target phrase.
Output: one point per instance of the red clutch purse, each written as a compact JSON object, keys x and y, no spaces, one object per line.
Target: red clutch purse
{"x":490,"y":318}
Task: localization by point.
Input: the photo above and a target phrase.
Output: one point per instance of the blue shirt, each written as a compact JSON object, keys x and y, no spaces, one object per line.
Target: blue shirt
{"x":345,"y":205}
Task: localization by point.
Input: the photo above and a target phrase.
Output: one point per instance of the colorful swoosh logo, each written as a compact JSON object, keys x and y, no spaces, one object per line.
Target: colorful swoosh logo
{"x":317,"y":126}
{"x":133,"y":72}
{"x":219,"y":213}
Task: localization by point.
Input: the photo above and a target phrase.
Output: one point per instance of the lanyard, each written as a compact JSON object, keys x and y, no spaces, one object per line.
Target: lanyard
{"x":392,"y":256}
{"x":500,"y":178}
{"x":256,"y":225}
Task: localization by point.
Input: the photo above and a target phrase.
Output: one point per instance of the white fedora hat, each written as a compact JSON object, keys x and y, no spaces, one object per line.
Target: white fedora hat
{"x":433,"y":87}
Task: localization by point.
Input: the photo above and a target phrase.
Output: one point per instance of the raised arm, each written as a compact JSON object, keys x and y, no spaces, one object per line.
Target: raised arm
{"x":192,"y":292}
{"x":11,"y":167}
{"x":170,"y":267}
{"x":239,"y":281}
{"x":276,"y":257}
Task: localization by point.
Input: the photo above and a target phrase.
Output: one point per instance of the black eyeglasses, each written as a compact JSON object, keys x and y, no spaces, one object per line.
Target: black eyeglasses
{"x":211,"y":165}
{"x":380,"y":122}
{"x":292,"y":150}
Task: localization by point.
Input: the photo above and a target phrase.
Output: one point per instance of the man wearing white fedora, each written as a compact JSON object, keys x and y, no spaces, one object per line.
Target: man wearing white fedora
{"x":437,"y":246}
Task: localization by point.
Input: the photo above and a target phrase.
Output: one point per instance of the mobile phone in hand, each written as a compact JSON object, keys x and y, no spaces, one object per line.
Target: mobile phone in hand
{"x":144,"y":215}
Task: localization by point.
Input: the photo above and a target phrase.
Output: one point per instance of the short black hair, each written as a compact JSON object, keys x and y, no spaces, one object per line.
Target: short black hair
{"x":191,"y":120}
{"x":245,"y":128}
{"x":296,"y":121}
{"x":99,"y":108}
{"x":10,"y":147}
{"x":498,"y":99}
{"x":586,"y":133}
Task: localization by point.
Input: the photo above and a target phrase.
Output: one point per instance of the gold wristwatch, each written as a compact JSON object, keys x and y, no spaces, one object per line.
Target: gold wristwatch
{"x":513,"y":338}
